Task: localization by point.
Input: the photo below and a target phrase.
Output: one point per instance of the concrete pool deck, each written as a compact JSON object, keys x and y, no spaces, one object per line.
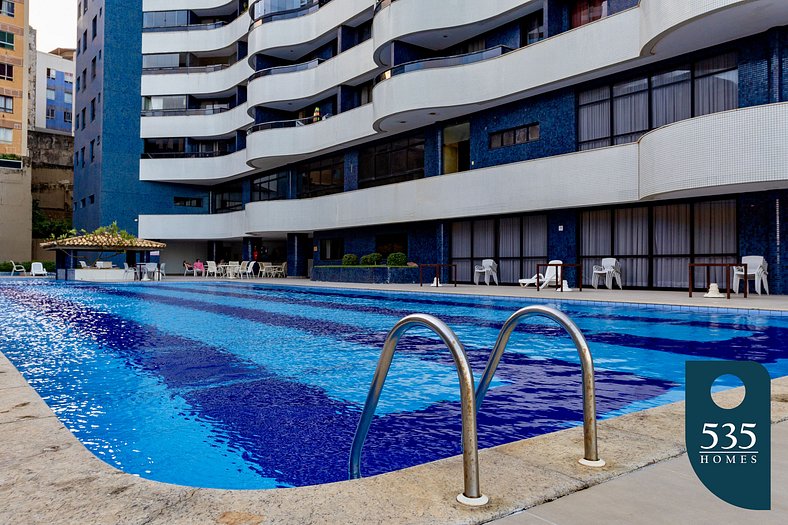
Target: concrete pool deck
{"x":676,"y":299}
{"x":48,"y":476}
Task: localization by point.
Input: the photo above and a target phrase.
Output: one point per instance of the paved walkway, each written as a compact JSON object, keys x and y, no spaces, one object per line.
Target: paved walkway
{"x":667,"y":492}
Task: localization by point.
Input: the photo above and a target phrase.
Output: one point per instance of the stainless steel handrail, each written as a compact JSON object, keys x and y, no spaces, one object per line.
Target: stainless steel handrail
{"x":591,"y":454}
{"x":470,"y":455}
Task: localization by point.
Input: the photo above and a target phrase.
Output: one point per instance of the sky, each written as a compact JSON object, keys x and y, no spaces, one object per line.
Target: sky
{"x":55,"y":22}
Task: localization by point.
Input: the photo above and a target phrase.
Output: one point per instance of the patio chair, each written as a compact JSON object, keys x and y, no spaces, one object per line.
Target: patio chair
{"x":242,"y":269}
{"x":250,"y":270}
{"x":162,"y":274}
{"x":151,"y":269}
{"x":37,"y":270}
{"x":265,"y":269}
{"x":757,"y":270}
{"x":18,"y":268}
{"x":127,"y":270}
{"x":609,"y":269}
{"x":210,"y":269}
{"x":188,"y":269}
{"x":489,"y":269}
{"x":543,"y":278}
{"x":83,"y":265}
{"x":280,"y":271}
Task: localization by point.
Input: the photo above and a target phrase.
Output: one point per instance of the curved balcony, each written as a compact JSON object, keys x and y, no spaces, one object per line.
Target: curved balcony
{"x":301,"y":84}
{"x":733,"y":151}
{"x":437,"y":25}
{"x":722,"y":153}
{"x":196,"y":81}
{"x":306,"y":33}
{"x":440,"y":62}
{"x":272,"y":145}
{"x":183,"y":5}
{"x":195,"y":168}
{"x":174,"y":41}
{"x":195,"y":123}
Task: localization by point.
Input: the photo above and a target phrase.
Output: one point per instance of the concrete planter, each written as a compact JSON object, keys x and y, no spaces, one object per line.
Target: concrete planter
{"x":374,"y":275}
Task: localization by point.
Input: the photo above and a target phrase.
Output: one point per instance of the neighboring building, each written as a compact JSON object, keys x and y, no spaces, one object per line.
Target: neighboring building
{"x":15,"y":199}
{"x":55,"y":90}
{"x":653,"y":131}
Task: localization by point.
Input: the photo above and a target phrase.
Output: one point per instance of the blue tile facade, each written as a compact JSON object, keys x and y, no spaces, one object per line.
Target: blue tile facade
{"x":61,"y":107}
{"x":112,"y":175}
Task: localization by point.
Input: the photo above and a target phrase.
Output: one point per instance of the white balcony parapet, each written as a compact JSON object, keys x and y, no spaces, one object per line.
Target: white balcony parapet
{"x":196,"y":41}
{"x":739,"y":150}
{"x":276,"y":147}
{"x":205,"y":170}
{"x":179,"y":5}
{"x":300,"y":31}
{"x":196,"y":82}
{"x":313,"y":79}
{"x":206,"y":125}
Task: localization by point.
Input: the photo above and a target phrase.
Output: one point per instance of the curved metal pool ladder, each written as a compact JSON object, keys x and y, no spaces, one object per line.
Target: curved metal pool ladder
{"x":470,"y":457}
{"x":591,"y":455}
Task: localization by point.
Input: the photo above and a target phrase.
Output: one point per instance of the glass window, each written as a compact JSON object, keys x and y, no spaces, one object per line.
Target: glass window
{"x":6,"y":104}
{"x":93,"y":68}
{"x":586,"y":11}
{"x":51,"y":73}
{"x":67,"y":116}
{"x":67,"y":97}
{"x":671,"y":96}
{"x":332,"y":249}
{"x":188,"y":202}
{"x":7,"y":8}
{"x":383,"y":163}
{"x":6,"y":40}
{"x":68,"y":77}
{"x":6,"y":135}
{"x":94,"y":27}
{"x":228,"y":198}
{"x":716,"y":84}
{"x":271,"y":187}
{"x":6,"y":71}
{"x":165,"y":60}
{"x":50,"y":112}
{"x":166,"y":103}
{"x":93,"y":110}
{"x":51,"y":94}
{"x":322,"y":177}
{"x":630,"y":110}
{"x":532,"y":29}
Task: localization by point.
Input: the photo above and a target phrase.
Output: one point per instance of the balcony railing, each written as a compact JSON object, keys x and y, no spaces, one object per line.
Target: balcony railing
{"x":189,"y":27}
{"x":281,"y":124}
{"x":170,"y":70}
{"x":189,"y":154}
{"x":178,"y":112}
{"x":263,"y":12}
{"x":291,"y":68}
{"x":440,"y":62}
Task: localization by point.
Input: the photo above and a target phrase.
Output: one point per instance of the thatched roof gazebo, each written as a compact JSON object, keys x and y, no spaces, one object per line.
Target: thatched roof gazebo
{"x":104,"y":242}
{"x":109,"y":241}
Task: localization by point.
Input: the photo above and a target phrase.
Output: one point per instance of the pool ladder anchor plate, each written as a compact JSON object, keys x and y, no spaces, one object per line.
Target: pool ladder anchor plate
{"x":471,"y":401}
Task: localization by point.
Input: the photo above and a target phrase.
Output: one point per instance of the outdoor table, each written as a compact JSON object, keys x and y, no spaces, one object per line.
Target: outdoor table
{"x":230,"y":270}
{"x":728,"y":267}
{"x":437,"y":272}
{"x":559,"y":277}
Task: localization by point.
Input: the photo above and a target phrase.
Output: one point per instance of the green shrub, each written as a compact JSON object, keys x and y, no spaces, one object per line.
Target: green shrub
{"x":397,"y":259}
{"x":350,"y":259}
{"x":372,"y":259}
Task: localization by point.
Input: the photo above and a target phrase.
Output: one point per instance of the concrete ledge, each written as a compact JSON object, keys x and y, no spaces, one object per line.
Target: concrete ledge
{"x":47,"y":476}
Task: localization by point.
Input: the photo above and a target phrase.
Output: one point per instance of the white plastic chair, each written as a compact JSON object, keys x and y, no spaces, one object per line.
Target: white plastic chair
{"x":83,"y":265}
{"x":211,"y":269}
{"x":161,"y":272}
{"x":37,"y":270}
{"x":127,"y":270}
{"x":18,"y":268}
{"x":242,"y":269}
{"x":488,"y":268}
{"x":250,"y":270}
{"x":757,"y":270}
{"x":265,"y":269}
{"x":609,"y":269}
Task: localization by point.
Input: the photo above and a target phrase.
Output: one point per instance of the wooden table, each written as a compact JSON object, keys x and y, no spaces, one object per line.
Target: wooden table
{"x":559,"y":278}
{"x":728,"y":267}
{"x":437,"y":272}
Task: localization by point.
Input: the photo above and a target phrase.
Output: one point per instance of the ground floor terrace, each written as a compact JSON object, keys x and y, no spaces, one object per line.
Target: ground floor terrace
{"x":654,"y":242}
{"x":49,"y":476}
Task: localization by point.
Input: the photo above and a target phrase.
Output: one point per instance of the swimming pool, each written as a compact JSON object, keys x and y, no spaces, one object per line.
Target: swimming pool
{"x":232,"y":385}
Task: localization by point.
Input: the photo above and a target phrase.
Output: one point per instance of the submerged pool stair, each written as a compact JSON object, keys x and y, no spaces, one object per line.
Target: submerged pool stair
{"x":471,"y":402}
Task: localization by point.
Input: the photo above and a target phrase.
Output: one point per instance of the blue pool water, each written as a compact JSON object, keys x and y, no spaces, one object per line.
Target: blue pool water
{"x":250,"y":386}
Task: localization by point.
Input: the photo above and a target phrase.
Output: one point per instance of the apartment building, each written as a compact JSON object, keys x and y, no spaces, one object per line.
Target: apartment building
{"x":15,"y":200}
{"x":55,"y":90}
{"x":654,"y":131}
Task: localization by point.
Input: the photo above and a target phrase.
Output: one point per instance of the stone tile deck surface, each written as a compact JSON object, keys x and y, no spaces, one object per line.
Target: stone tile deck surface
{"x":47,"y":476}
